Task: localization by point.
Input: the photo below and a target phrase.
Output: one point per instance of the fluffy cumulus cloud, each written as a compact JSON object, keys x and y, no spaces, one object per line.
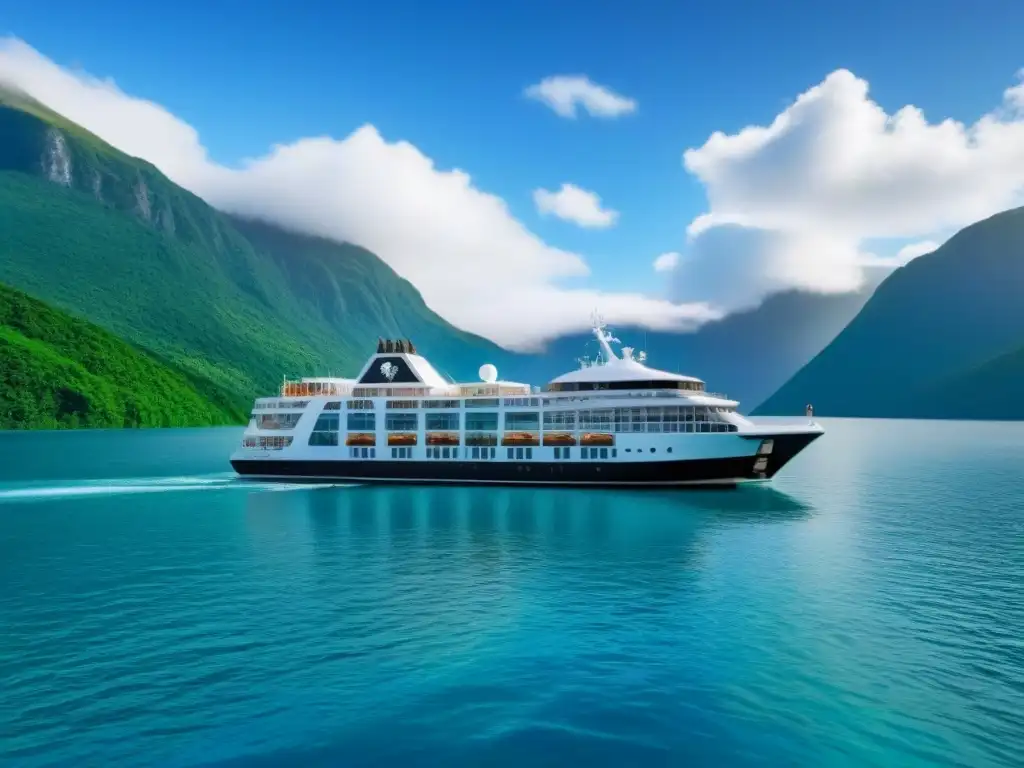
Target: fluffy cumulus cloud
{"x":571,"y":203}
{"x":474,"y":263}
{"x":567,"y":94}
{"x":792,"y":202}
{"x":666,"y":262}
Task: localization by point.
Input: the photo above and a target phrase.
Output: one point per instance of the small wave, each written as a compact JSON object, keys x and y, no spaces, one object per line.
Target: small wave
{"x":108,"y":487}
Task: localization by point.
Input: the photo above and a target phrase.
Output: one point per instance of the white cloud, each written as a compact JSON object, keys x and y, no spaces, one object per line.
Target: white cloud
{"x":574,"y":204}
{"x":832,"y":171}
{"x":474,"y":263}
{"x":902,"y":257}
{"x":666,"y":262}
{"x":566,"y":94}
{"x":1014,"y":96}
{"x":739,"y":266}
{"x":911,"y":251}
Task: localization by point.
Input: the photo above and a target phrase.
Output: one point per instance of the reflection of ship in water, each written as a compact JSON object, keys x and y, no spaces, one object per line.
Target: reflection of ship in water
{"x":440,"y":589}
{"x":486,"y":523}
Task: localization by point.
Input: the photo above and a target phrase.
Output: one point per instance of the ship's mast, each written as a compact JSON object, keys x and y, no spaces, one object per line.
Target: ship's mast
{"x":605,"y":339}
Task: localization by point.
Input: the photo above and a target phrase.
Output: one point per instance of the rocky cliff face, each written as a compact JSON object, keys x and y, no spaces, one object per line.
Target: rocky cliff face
{"x":56,"y":159}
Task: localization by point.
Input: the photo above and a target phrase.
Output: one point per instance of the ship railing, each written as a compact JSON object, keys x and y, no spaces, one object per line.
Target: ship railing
{"x":314,"y":389}
{"x":605,"y":394}
{"x":652,"y":427}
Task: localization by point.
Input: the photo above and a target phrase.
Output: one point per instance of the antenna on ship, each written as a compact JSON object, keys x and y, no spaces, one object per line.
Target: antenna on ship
{"x":605,"y":339}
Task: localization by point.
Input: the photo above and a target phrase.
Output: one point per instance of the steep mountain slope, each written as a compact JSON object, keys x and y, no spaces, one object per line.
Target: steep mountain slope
{"x":942,"y":316}
{"x":747,"y":355}
{"x":992,"y":390}
{"x":59,"y":371}
{"x":109,"y":238}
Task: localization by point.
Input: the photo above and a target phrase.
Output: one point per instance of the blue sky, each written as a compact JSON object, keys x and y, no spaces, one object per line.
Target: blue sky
{"x":449,"y":77}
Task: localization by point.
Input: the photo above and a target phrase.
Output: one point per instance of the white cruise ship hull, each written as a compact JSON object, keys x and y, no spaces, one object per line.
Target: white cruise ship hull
{"x":694,"y":459}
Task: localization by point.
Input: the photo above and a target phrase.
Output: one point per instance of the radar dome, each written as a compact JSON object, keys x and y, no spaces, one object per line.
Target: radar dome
{"x":488,"y":373}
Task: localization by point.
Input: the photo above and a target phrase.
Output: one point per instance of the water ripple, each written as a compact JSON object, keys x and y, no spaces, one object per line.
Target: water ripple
{"x":866,"y":611}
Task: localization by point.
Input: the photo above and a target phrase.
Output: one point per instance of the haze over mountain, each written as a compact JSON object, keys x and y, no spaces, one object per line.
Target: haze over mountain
{"x":940,"y":338}
{"x":746,"y":355}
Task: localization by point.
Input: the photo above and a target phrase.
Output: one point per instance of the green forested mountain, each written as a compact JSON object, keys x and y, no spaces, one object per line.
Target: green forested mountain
{"x":58,"y":371}
{"x":108,"y":238}
{"x":992,"y":390}
{"x":940,"y":338}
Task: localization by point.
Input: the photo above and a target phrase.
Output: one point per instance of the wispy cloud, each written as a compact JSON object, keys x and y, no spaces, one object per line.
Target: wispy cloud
{"x":566,"y":94}
{"x":666,"y":262}
{"x":571,"y":203}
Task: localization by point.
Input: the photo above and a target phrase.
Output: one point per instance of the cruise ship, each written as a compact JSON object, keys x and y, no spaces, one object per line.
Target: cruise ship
{"x":613,"y":421}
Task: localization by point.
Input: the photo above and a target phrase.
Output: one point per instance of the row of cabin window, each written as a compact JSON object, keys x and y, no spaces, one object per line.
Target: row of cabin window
{"x":272,"y":404}
{"x":645,"y":415}
{"x":481,"y":422}
{"x":587,"y":453}
{"x":409,"y":422}
{"x":272,"y":443}
{"x":530,"y":422}
{"x":637,"y":414}
{"x":356,"y":452}
{"x":486,"y":422}
{"x":358,"y":404}
{"x":520,"y":454}
{"x":277,"y":420}
{"x":436,"y":452}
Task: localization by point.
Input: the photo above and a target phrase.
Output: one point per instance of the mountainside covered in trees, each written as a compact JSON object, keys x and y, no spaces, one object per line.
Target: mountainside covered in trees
{"x":108,"y":238}
{"x":58,"y":371}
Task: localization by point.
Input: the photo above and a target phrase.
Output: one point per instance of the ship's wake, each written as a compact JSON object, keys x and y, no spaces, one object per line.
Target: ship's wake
{"x":228,"y":481}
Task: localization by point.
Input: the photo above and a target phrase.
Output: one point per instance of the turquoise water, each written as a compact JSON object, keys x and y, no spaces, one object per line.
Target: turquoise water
{"x":867,"y":609}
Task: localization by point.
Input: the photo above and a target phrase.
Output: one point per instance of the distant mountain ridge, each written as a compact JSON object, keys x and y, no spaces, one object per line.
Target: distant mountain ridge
{"x":746,"y":355}
{"x":955,"y":315}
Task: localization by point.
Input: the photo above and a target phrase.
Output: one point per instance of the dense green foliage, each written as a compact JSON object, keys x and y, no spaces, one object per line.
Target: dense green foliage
{"x":57,"y":371}
{"x":238,"y":304}
{"x":945,"y":318}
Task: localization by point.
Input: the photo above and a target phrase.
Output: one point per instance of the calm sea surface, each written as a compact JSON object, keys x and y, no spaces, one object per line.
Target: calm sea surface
{"x":867,"y":609}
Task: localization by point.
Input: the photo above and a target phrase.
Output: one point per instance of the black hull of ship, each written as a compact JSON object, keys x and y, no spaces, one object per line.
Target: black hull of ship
{"x":655,"y":474}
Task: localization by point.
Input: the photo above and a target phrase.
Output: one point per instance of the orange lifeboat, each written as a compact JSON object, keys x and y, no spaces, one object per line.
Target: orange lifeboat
{"x":559,"y":438}
{"x":520,"y":438}
{"x":361,"y":438}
